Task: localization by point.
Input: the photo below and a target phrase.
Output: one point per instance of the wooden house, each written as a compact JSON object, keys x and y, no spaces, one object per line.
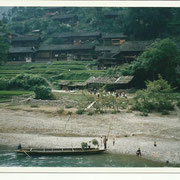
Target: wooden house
{"x":100,"y":50}
{"x":106,"y":60}
{"x":113,"y":83}
{"x":26,"y":54}
{"x":64,"y":85}
{"x":129,"y":50}
{"x":65,"y":52}
{"x":78,"y":38}
{"x":26,"y":41}
{"x":113,"y":39}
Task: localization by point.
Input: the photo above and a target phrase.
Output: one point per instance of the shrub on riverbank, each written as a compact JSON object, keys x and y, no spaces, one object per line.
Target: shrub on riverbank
{"x":156,"y":97}
{"x":26,"y":82}
{"x":3,"y":84}
{"x":43,"y":92}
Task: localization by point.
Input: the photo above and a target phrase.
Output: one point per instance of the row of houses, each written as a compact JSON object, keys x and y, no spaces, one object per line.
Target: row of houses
{"x":110,"y":83}
{"x":111,"y":49}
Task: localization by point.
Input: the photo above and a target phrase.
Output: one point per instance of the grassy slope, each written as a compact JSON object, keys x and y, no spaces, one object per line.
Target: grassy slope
{"x":55,"y":71}
{"x":7,"y":95}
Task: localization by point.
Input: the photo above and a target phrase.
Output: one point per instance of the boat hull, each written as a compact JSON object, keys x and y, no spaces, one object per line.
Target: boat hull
{"x":59,"y":152}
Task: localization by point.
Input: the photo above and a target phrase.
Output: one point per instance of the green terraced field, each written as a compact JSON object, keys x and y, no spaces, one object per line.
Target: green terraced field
{"x":75,"y":71}
{"x":7,"y":95}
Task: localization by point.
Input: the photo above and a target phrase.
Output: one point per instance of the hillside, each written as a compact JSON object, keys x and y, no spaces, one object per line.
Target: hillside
{"x":4,"y":11}
{"x":134,"y":22}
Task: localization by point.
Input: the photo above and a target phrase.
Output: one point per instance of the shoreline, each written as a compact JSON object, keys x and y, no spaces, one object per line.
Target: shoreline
{"x":123,"y":146}
{"x":129,"y":130}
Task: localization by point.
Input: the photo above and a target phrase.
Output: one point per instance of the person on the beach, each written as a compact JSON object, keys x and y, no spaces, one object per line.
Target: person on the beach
{"x":105,"y":142}
{"x":19,"y":147}
{"x":101,"y":141}
{"x":155,"y":144}
{"x":95,"y":91}
{"x":113,"y":141}
{"x":89,"y":144}
{"x":138,"y":152}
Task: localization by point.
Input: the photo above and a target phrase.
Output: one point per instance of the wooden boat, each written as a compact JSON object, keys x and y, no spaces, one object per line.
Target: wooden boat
{"x":59,"y":151}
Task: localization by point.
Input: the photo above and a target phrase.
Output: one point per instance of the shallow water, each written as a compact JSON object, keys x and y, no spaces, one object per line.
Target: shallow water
{"x":8,"y":158}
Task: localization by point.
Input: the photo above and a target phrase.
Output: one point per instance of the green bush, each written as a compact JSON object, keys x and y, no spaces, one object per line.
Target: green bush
{"x":90,"y":113}
{"x":95,"y":142}
{"x":156,"y":97}
{"x":27,"y":82}
{"x":69,"y":113}
{"x":165,"y":113}
{"x":178,"y":103}
{"x":68,"y":106}
{"x":4,"y":84}
{"x":34,"y":106}
{"x":80,"y":111}
{"x":43,"y":92}
{"x":84,"y":145}
{"x":60,"y":110}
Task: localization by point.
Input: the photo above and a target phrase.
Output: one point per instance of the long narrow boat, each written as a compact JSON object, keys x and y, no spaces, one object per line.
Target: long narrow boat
{"x":59,"y":151}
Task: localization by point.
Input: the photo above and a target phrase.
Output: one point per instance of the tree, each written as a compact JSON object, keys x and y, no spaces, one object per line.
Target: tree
{"x":161,"y":58}
{"x":3,"y":44}
{"x":43,"y":92}
{"x":156,"y":97}
{"x":147,"y":23}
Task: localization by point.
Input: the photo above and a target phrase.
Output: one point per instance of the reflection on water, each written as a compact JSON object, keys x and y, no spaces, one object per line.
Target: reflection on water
{"x":8,"y":158}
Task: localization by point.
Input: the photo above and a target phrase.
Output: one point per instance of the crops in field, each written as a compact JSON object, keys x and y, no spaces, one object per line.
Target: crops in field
{"x":7,"y":95}
{"x":77,"y":71}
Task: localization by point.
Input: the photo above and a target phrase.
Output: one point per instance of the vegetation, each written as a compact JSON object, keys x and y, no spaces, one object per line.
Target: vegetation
{"x":95,"y":142}
{"x":27,"y":82}
{"x":53,"y":72}
{"x":80,"y":111}
{"x":3,"y":44}
{"x":156,"y":97}
{"x":143,"y":23}
{"x":43,"y":92}
{"x":161,"y":58}
{"x":60,"y":110}
{"x":84,"y":145}
{"x":7,"y":95}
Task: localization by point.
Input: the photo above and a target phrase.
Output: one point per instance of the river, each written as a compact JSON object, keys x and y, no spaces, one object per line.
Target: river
{"x":8,"y":158}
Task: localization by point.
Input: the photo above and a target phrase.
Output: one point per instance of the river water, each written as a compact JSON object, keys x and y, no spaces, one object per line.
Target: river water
{"x":8,"y":158}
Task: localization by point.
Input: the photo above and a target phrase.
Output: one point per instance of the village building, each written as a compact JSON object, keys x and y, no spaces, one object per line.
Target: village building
{"x":77,"y":38}
{"x":110,"y":83}
{"x":129,"y":50}
{"x":113,"y":39}
{"x":22,"y":54}
{"x":65,"y":52}
{"x":106,"y":60}
{"x":100,"y":50}
{"x":64,"y":85}
{"x":26,"y":41}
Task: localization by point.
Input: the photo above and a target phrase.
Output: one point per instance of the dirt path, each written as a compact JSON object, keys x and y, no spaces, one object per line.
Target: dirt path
{"x":129,"y":129}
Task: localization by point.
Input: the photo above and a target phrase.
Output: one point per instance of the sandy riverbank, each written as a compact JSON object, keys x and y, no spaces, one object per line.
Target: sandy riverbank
{"x":129,"y":129}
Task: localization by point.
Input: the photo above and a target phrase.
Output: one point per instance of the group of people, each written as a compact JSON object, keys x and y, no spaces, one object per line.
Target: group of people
{"x":116,"y":93}
{"x":104,"y":141}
